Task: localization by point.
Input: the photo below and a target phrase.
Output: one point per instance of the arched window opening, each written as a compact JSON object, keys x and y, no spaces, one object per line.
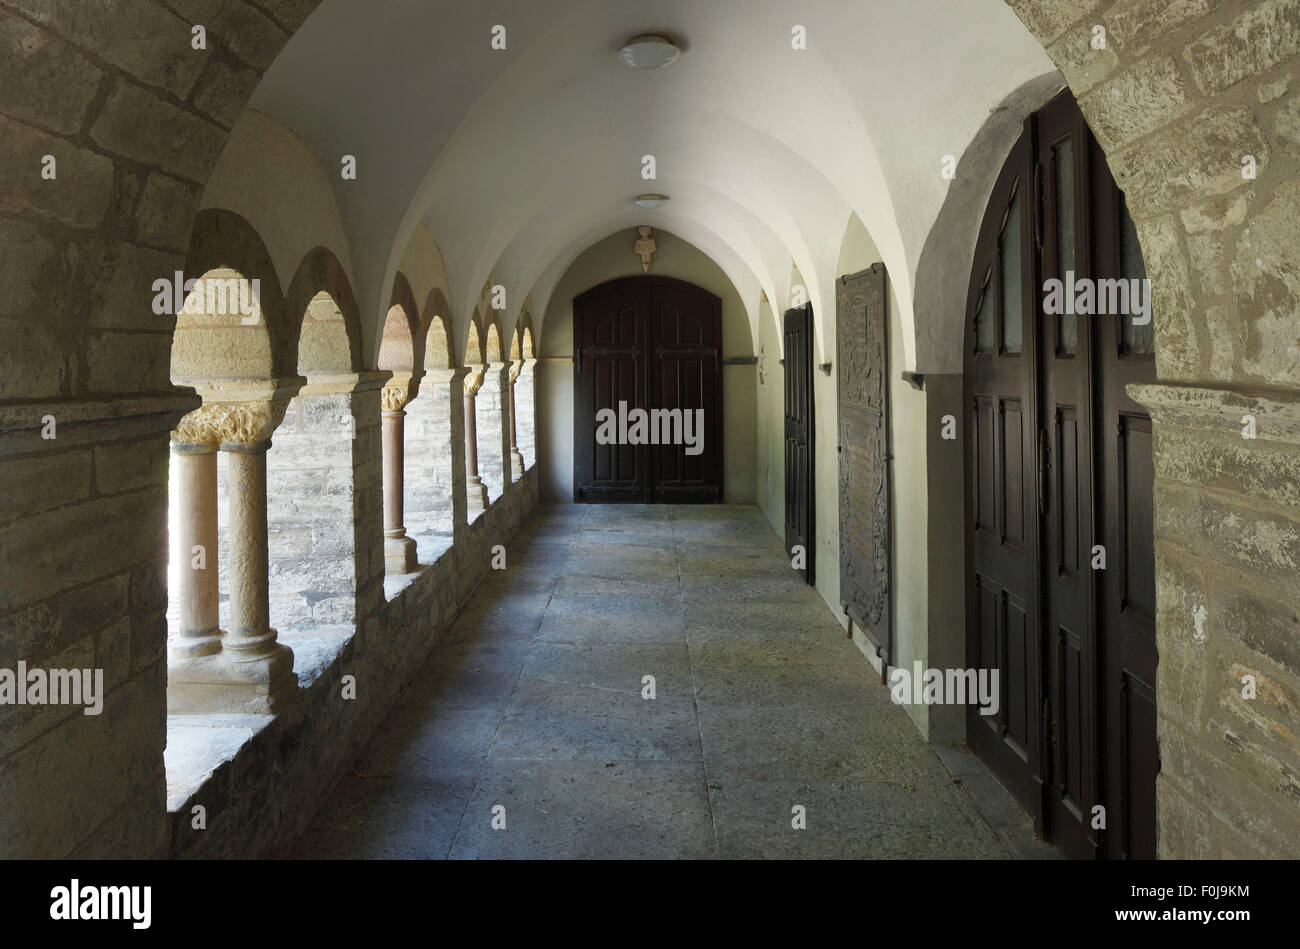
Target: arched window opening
{"x":431,"y":418}
{"x":490,"y":406}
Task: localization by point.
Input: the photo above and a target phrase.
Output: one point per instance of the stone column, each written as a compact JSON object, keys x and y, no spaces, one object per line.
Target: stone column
{"x":476,"y":495}
{"x":516,"y":457}
{"x":399,"y":550}
{"x":249,"y":671}
{"x":251,"y":649}
{"x":197,"y":546}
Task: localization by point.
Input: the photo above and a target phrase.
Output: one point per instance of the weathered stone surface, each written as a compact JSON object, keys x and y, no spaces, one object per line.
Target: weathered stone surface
{"x":1048,"y":19}
{"x":1267,"y":282}
{"x":224,"y":87}
{"x":1236,"y":534}
{"x":1261,"y":620}
{"x":119,"y":747}
{"x":1081,"y":64}
{"x":33,"y":364}
{"x":1137,"y":24}
{"x":78,"y":196}
{"x":1179,"y":354}
{"x":125,"y":467}
{"x":1248,"y":467}
{"x":1135,"y":102}
{"x":127,"y":362}
{"x":1260,"y":38}
{"x":43,"y":80}
{"x":137,"y":124}
{"x":90,"y":539}
{"x":165,"y":214}
{"x":1196,"y":157}
{"x":26,"y":268}
{"x":140,"y":37}
{"x":89,"y":607}
{"x":38,"y":483}
{"x":240,"y":27}
{"x":1216,"y":214}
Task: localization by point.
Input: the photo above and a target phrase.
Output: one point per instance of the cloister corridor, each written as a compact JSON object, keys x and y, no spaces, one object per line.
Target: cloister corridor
{"x":534,"y":701}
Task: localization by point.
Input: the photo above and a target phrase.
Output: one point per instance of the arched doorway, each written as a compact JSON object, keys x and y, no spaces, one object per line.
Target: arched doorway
{"x":647,"y":395}
{"x":1059,"y":472}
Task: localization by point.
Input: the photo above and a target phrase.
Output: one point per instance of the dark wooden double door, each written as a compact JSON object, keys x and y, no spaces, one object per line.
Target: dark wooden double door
{"x":799,"y":439}
{"x":1061,"y":572}
{"x":651,"y":343}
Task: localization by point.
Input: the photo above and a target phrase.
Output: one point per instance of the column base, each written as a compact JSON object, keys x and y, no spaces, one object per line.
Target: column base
{"x":476,"y":495}
{"x":399,"y":555}
{"x":516,"y":464}
{"x":216,"y":684}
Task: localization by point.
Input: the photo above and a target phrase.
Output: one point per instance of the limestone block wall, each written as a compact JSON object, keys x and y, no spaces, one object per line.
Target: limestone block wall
{"x":429,"y":441}
{"x":136,"y":128}
{"x":489,"y":414}
{"x":309,"y":514}
{"x":259,"y":802}
{"x":1196,"y":107}
{"x":526,"y":414}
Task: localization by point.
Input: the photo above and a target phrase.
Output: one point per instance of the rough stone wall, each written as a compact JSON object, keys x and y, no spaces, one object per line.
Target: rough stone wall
{"x":309,"y":747}
{"x":489,"y":414}
{"x":309,"y":514}
{"x":428,"y":481}
{"x":526,"y":415}
{"x":1195,"y":105}
{"x":135,"y":119}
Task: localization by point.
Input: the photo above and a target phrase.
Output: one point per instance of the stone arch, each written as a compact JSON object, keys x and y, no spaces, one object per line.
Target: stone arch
{"x":939,"y":298}
{"x":233,"y":359}
{"x":492,"y":345}
{"x":324,"y":321}
{"x":491,"y":405}
{"x":439,"y":350}
{"x":475,"y":346}
{"x":318,"y":456}
{"x":400,"y":348}
{"x":524,"y":403}
{"x":229,"y":345}
{"x":434,"y":423}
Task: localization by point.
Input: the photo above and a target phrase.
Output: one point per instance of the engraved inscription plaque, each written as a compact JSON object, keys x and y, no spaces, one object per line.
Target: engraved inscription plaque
{"x":861,"y":320}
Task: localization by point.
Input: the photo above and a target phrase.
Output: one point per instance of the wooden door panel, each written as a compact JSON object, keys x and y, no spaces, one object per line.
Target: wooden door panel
{"x":1088,"y":659}
{"x":649,"y":343}
{"x":799,"y":438}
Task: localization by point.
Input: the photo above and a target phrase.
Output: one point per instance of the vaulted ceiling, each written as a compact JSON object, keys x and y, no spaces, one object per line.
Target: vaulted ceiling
{"x":517,"y":159}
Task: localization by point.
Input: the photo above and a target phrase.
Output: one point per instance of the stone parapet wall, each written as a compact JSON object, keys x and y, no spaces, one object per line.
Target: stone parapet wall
{"x":258,"y":802}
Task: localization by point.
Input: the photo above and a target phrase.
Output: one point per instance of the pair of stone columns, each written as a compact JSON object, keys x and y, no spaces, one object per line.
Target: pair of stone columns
{"x":242,"y":668}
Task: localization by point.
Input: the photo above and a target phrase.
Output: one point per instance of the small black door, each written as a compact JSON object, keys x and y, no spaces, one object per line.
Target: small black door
{"x":799,"y":511}
{"x":650,"y":344}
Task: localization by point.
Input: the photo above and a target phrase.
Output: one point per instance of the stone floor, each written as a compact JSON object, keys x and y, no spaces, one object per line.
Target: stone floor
{"x":534,"y":702}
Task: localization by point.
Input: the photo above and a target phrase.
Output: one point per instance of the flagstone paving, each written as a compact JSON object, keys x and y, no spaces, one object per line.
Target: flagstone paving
{"x":534,"y":703}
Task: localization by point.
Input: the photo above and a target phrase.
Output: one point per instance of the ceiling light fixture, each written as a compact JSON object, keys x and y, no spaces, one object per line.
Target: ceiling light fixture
{"x":648,"y":51}
{"x":650,"y":201}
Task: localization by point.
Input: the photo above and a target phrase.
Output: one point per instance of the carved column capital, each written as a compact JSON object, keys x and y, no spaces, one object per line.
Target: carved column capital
{"x":398,"y":392}
{"x":474,"y":378}
{"x":218,"y":424}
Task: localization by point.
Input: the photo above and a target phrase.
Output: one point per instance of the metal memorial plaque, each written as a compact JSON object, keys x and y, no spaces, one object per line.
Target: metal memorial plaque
{"x":862,"y":358}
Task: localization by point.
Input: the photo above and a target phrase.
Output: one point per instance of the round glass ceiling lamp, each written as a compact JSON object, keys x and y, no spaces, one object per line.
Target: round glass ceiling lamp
{"x":649,"y":51}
